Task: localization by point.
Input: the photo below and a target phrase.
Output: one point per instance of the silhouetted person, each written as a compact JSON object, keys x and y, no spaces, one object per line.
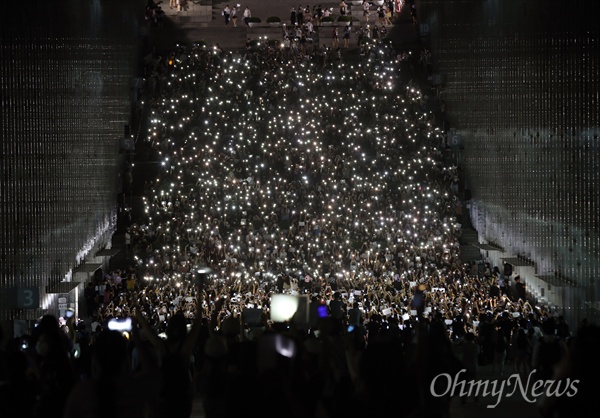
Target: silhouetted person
{"x":114,"y":390}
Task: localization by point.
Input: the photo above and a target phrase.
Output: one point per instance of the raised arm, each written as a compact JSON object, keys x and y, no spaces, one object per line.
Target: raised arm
{"x":192,"y":337}
{"x":150,"y":333}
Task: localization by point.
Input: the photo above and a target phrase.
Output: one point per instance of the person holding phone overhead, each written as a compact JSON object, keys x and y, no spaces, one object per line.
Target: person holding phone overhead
{"x":176,"y":394}
{"x":113,"y":391}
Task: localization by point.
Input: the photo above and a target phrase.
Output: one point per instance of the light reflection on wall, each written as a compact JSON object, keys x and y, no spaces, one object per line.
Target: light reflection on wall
{"x":65,"y":72}
{"x":522,"y":88}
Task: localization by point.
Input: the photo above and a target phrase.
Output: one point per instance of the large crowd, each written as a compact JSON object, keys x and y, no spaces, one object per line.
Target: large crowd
{"x":302,"y":174}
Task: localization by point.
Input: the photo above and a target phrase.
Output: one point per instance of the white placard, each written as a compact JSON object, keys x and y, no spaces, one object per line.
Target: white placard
{"x":448,"y":321}
{"x":428,"y":309}
{"x":413,"y":312}
{"x":387,"y":311}
{"x":358,"y":293}
{"x":405,"y":317}
{"x":412,"y":284}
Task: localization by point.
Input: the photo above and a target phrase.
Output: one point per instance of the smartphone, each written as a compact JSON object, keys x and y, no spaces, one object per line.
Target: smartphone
{"x":76,"y":350}
{"x":121,"y":324}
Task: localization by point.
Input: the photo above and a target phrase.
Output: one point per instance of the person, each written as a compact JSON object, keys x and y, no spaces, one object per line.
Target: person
{"x":233,"y":16}
{"x":469,"y":355}
{"x":226,"y":14}
{"x":52,"y":367}
{"x":581,"y":365}
{"x":494,"y":289}
{"x":343,"y":8}
{"x":520,"y":289}
{"x":90,"y":299}
{"x":391,"y":7}
{"x":176,"y":395}
{"x":399,"y":4}
{"x":300,"y":16}
{"x":548,"y":351}
{"x":293,"y":16}
{"x":247,"y":15}
{"x":309,"y":28}
{"x":334,"y":38}
{"x":355,"y":315}
{"x":388,"y":15}
{"x":336,"y":307}
{"x":523,"y":349}
{"x":366,"y":6}
{"x":114,"y":391}
{"x":508,"y":270}
{"x":375,"y":33}
{"x":500,"y":347}
{"x":359,"y":38}
{"x":319,"y":15}
{"x":346,"y":36}
{"x":381,"y":15}
{"x":562,"y":329}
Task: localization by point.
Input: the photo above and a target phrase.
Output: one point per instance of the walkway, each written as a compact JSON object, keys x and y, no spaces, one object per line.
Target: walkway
{"x":203,"y":22}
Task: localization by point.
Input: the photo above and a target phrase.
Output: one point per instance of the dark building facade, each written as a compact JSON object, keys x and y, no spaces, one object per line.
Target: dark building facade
{"x":66,"y":72}
{"x":520,"y":83}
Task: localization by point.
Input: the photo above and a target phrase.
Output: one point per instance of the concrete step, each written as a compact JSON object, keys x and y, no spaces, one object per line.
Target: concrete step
{"x":469,"y":253}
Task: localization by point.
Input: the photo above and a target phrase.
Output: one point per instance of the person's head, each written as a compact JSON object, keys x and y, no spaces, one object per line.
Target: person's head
{"x":177,"y":328}
{"x":549,"y":326}
{"x":109,"y":354}
{"x":48,"y":323}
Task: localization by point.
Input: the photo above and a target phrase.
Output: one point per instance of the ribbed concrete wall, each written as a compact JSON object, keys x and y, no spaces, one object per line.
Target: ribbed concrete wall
{"x":65,"y":75}
{"x":522,"y":83}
